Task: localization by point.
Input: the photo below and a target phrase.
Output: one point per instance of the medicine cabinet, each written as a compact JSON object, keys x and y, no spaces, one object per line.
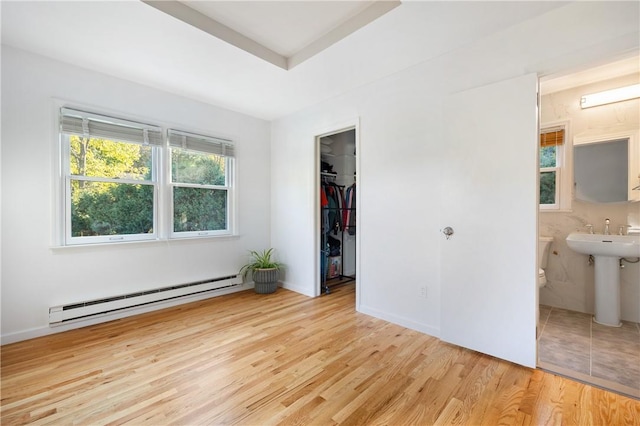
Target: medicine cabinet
{"x":606,"y":167}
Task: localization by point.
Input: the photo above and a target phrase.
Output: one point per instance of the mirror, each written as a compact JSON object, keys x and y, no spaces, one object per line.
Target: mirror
{"x":601,"y":171}
{"x":606,"y":167}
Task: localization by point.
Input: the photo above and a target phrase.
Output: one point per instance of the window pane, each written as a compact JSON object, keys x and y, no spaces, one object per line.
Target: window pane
{"x":199,"y":209}
{"x":200,"y":168}
{"x":109,"y":159}
{"x":548,"y":156}
{"x":547,"y":187}
{"x":99,"y":208}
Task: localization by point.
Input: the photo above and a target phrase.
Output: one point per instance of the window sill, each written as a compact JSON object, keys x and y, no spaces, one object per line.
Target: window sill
{"x":147,"y":242}
{"x":555,"y":210}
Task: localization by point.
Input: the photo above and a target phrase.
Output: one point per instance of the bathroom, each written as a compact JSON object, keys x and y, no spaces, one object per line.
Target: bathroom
{"x":570,"y":343}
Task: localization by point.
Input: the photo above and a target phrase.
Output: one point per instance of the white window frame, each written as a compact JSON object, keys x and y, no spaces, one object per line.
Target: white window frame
{"x":563,"y":169}
{"x":88,"y":124}
{"x":228,"y":167}
{"x":160,"y":180}
{"x":203,"y":144}
{"x":68,"y":237}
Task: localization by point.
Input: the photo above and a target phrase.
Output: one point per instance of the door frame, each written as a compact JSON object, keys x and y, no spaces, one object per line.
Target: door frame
{"x":353,"y":124}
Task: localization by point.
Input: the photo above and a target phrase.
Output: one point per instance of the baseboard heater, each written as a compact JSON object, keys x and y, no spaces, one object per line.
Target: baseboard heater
{"x":74,"y":311}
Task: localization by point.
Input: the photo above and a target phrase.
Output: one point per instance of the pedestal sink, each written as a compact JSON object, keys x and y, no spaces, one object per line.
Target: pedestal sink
{"x":607,"y":251}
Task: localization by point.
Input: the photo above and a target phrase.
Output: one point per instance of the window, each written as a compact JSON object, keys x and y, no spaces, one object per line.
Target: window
{"x":110,"y":178}
{"x":200,"y":184}
{"x":553,"y":190}
{"x":114,"y":185}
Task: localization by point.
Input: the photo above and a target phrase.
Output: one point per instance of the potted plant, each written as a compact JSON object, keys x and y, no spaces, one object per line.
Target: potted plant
{"x":264,"y":271}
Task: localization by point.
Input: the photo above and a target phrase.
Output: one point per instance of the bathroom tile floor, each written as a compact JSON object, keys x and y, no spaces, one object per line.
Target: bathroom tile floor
{"x":572,"y":344}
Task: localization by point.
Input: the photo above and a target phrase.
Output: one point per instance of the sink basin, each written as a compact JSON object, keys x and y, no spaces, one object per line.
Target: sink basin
{"x":607,"y":251}
{"x":605,"y":245}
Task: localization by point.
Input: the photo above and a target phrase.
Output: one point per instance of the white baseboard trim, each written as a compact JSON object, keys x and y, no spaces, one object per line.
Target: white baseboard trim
{"x":298,"y":289}
{"x":404,"y":322}
{"x":32,"y":333}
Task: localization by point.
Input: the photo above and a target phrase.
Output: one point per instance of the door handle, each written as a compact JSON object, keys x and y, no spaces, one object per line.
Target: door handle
{"x":448,"y":232}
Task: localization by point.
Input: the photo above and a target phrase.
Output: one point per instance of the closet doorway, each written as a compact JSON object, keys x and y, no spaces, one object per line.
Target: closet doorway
{"x":337,"y":226}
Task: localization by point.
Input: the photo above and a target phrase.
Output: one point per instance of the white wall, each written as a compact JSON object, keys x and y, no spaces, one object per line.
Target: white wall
{"x":570,"y":279}
{"x":401,"y":158}
{"x":36,"y":276}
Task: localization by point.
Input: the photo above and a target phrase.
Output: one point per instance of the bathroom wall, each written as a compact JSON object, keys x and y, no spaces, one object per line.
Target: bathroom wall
{"x":570,"y":277}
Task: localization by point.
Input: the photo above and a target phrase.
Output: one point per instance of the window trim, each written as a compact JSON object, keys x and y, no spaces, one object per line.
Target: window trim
{"x":67,"y":237}
{"x":228,"y":213}
{"x":161,"y":176}
{"x":557,"y":170}
{"x":563,"y":169}
{"x":201,"y":144}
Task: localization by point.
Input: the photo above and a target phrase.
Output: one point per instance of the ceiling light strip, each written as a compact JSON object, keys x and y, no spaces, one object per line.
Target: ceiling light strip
{"x":610,"y":96}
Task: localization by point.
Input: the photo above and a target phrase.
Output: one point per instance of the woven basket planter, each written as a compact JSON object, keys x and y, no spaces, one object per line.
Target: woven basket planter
{"x":266,"y":280}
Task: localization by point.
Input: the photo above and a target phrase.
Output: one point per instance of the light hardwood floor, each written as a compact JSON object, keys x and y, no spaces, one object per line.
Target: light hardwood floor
{"x":281,"y":359}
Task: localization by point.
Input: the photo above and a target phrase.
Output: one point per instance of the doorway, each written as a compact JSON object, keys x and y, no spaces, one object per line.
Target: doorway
{"x":570,"y":343}
{"x":337,"y":225}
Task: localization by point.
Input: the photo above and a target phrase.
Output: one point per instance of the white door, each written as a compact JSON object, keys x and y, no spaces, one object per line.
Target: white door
{"x":489,"y":273}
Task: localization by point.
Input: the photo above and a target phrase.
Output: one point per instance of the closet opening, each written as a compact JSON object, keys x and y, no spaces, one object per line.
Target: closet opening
{"x":337,"y":209}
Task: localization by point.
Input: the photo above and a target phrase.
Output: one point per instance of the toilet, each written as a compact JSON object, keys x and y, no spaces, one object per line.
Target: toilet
{"x":544,"y":244}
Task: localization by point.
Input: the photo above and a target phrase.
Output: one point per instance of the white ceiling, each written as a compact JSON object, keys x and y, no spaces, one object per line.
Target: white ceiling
{"x":284,"y":33}
{"x":285,"y":27}
{"x":135,"y":41}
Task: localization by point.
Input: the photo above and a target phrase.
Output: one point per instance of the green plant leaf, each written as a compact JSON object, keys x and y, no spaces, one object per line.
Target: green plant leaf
{"x":261,"y":260}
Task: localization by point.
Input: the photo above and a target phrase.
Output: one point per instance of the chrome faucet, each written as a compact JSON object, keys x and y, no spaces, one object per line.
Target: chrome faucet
{"x":606,"y":227}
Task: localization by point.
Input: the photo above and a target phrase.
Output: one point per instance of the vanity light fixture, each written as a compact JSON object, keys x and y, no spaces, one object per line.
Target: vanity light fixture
{"x":610,"y":96}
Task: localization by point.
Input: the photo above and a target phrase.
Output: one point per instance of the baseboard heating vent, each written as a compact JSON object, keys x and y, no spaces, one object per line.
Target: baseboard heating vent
{"x":75,"y":311}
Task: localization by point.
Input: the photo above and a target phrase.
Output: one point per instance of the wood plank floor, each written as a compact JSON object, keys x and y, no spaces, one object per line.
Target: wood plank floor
{"x":283,"y":358}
